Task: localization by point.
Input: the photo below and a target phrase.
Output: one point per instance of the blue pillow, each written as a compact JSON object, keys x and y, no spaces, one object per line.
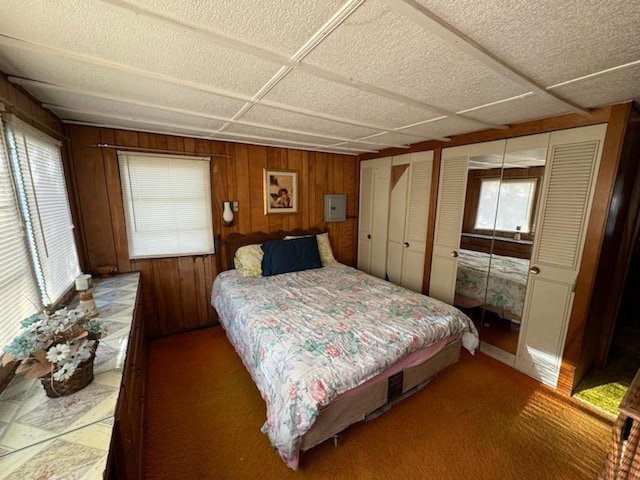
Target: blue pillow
{"x":284,"y":256}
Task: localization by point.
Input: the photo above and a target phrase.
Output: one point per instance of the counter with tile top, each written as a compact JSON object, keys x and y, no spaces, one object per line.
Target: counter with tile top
{"x":71,"y":437}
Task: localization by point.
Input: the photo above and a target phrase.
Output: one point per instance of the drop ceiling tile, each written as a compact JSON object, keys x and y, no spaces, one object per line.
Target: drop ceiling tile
{"x":119,"y":37}
{"x":106,"y":81}
{"x":611,"y":88}
{"x":320,"y":95}
{"x":131,"y":111}
{"x":282,"y":26}
{"x":282,"y":118}
{"x":263,"y":133}
{"x":99,"y":120}
{"x":389,"y":51}
{"x":517,"y":111}
{"x":227,"y":137}
{"x":548,"y":40}
{"x":362,"y":148}
{"x":394,"y":138}
{"x":443,"y":128}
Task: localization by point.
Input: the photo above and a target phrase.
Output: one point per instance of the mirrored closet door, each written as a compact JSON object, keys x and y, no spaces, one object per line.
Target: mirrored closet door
{"x":508,"y":240}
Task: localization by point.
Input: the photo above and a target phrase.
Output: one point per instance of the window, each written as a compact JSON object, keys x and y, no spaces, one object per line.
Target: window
{"x":36,"y":162}
{"x":19,"y":294}
{"x":167,"y":205}
{"x":513,"y":200}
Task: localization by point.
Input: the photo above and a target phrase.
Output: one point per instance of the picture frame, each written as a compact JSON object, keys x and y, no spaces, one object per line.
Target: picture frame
{"x":280,"y":191}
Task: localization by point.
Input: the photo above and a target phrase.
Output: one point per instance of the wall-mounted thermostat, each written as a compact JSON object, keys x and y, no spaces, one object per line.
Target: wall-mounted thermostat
{"x":335,"y":208}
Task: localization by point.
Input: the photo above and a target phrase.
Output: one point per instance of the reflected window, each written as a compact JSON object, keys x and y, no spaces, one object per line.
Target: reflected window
{"x":509,"y":203}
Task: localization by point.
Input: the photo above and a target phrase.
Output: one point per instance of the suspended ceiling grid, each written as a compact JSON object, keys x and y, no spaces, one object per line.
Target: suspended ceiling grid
{"x":324,"y":75}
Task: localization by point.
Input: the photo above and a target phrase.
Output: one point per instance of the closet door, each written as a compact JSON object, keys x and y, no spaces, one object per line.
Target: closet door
{"x":408,"y":219}
{"x":572,"y":165}
{"x":451,"y":195}
{"x":375,"y":178}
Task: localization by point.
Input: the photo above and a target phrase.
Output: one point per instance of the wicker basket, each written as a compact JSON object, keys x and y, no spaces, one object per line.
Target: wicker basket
{"x":82,"y":377}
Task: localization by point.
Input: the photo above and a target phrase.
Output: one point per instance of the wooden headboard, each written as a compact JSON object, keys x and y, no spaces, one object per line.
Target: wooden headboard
{"x":236,"y":240}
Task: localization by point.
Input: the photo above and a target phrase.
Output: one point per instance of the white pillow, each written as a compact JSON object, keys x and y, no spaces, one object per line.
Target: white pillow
{"x":248,"y":260}
{"x":324,"y":247}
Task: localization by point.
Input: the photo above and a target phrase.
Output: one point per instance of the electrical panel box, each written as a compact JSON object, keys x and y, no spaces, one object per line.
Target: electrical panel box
{"x":335,"y":208}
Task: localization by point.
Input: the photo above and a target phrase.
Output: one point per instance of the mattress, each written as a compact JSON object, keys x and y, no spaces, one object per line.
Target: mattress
{"x":307,"y":337}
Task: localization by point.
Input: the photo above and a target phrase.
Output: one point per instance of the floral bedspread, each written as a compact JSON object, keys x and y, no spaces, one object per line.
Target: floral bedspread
{"x":308,"y":336}
{"x":506,"y":286}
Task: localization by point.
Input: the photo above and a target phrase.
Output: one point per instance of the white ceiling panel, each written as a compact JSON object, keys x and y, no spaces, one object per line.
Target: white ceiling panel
{"x":441,"y":128}
{"x":549,"y":40}
{"x":97,"y":30}
{"x":613,"y":87}
{"x":272,"y":116}
{"x":132,"y":112}
{"x":274,"y":134}
{"x":519,"y":110}
{"x":106,"y":81}
{"x":423,"y":66}
{"x":332,"y":98}
{"x":284,"y":25}
{"x":361,"y":67}
{"x":225,"y":136}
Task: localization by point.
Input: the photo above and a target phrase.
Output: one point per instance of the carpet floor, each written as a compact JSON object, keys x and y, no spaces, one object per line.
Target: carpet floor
{"x":478,"y":420}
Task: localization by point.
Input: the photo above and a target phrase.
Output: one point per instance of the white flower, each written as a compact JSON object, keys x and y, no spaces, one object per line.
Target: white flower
{"x":64,"y":372}
{"x":84,"y":351}
{"x":59,"y":353}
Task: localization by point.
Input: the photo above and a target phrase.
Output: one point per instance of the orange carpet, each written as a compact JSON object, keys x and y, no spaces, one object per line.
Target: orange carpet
{"x":478,"y":420}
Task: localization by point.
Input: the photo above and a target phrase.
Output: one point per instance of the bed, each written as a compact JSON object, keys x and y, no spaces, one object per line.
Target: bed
{"x":506,"y":286}
{"x":330,"y":346}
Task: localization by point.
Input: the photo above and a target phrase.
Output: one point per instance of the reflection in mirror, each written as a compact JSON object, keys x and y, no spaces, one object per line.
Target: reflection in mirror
{"x":497,"y":238}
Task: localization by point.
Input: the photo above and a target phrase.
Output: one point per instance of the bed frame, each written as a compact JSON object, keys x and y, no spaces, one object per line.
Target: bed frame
{"x":376,"y":396}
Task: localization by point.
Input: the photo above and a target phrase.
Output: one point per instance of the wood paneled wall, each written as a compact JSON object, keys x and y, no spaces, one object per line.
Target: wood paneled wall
{"x":176,"y":290}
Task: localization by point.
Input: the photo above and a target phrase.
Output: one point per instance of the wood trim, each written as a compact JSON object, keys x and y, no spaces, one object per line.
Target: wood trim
{"x":593,"y":243}
{"x":600,"y":115}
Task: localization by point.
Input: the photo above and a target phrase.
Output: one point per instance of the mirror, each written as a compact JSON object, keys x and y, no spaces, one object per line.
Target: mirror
{"x":498,"y":229}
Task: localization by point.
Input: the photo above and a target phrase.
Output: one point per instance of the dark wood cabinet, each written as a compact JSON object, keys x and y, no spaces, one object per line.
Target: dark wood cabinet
{"x":127,"y":454}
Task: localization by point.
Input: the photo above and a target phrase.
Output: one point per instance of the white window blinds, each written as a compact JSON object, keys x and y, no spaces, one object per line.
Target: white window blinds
{"x":19,"y":295}
{"x":167,"y":204}
{"x":39,"y":174}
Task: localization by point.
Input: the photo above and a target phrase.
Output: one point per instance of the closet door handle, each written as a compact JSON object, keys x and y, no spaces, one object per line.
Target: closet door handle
{"x":534,"y":270}
{"x":406,"y":244}
{"x":454,"y":254}
{"x":369,"y":236}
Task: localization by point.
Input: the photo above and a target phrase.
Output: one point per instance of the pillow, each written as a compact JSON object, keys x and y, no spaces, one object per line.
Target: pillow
{"x":284,"y":256}
{"x":324,"y":247}
{"x":248,"y":260}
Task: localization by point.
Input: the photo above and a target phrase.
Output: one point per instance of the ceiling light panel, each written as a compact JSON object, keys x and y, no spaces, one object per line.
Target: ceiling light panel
{"x":106,"y":81}
{"x":391,"y":52}
{"x":282,"y":26}
{"x":127,"y":39}
{"x":518,"y":110}
{"x":550,"y":41}
{"x":609,"y":88}
{"x":332,"y":98}
{"x":281,"y":118}
{"x":274,"y":134}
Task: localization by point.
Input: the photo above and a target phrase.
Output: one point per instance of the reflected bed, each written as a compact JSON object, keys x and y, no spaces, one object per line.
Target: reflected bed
{"x":506,"y":287}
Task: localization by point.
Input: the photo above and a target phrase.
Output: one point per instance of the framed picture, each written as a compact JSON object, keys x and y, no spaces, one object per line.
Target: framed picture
{"x":280,"y":191}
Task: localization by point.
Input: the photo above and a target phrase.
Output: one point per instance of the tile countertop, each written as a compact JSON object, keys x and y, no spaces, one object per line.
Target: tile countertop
{"x":69,"y":437}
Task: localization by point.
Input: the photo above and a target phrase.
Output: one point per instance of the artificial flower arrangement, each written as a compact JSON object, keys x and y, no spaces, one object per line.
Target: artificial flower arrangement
{"x":54,"y":345}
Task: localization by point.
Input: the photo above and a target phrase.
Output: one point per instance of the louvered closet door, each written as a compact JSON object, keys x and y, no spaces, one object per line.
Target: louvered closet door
{"x":397,"y":217}
{"x":572,"y":164}
{"x":415,"y":238}
{"x":451,"y":194}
